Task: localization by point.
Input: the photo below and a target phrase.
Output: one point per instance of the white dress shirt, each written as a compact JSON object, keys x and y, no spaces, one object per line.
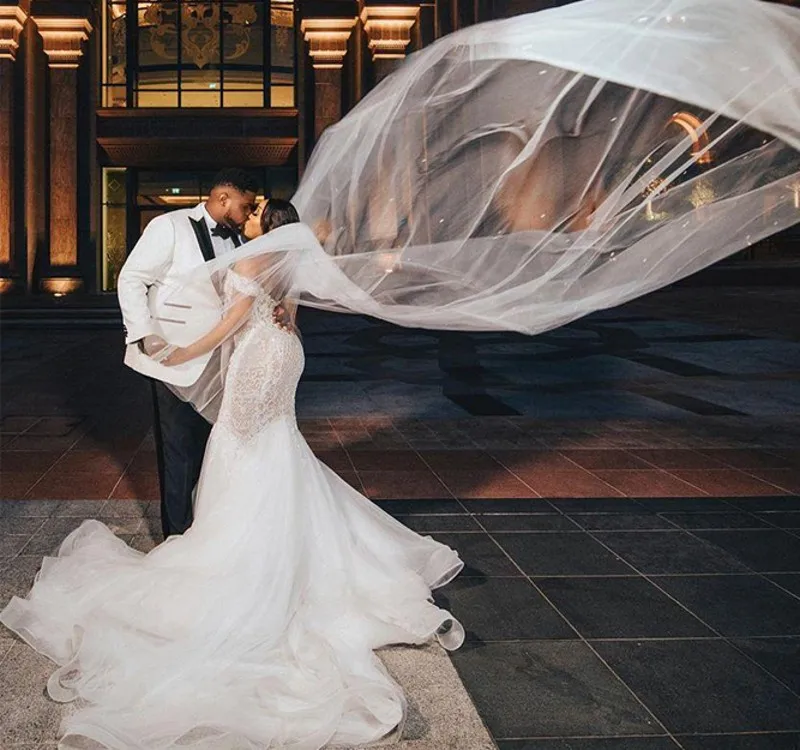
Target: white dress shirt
{"x":220,"y":245}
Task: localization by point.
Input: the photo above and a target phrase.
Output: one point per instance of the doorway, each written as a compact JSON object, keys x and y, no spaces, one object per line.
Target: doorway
{"x":133,"y":197}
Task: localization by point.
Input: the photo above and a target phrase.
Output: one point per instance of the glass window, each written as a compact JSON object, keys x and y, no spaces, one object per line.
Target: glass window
{"x":156,"y":76}
{"x":115,"y":59}
{"x":216,"y":53}
{"x":114,"y":226}
{"x":173,"y":189}
{"x":243,"y":49}
{"x":282,"y":54}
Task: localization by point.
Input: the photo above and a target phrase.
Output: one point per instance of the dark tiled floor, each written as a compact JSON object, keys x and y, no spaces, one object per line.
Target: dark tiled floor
{"x":589,"y":644}
{"x":624,"y":492}
{"x":621,"y":403}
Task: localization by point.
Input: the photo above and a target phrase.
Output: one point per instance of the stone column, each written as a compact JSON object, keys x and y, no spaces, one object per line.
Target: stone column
{"x":388,"y":29}
{"x":12,"y":20}
{"x":63,"y":44}
{"x":327,"y":46}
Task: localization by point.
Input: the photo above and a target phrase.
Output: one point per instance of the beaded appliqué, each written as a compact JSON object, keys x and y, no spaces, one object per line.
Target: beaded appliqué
{"x":264,"y":369}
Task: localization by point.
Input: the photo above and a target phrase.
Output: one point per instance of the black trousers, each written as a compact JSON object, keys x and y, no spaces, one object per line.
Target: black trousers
{"x":181,"y":435}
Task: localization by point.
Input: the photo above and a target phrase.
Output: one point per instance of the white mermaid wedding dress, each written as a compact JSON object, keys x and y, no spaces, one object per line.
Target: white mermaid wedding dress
{"x":256,"y":628}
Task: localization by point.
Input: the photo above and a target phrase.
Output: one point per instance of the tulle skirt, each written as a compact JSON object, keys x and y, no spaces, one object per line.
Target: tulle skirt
{"x":256,"y":628}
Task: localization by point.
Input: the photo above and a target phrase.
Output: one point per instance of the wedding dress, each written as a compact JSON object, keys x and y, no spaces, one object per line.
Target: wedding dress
{"x":255,"y":628}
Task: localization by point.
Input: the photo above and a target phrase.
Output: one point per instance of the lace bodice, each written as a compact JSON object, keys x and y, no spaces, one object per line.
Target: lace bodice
{"x":265,"y":367}
{"x":263,"y":304}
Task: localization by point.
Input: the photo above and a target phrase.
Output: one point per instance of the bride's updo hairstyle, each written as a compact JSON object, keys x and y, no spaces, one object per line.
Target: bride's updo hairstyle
{"x":276,"y":213}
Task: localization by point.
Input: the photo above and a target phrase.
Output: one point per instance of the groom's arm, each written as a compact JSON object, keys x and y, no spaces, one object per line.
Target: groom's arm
{"x":148,"y":262}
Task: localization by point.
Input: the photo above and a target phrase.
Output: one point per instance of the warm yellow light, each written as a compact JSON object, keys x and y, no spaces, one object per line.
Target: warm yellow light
{"x":388,"y":29}
{"x":60,"y":286}
{"x":12,"y":19}
{"x":118,"y":9}
{"x":796,"y":191}
{"x":327,"y":40}
{"x":63,"y":39}
{"x":179,"y":199}
{"x":388,"y":261}
{"x":694,"y":129}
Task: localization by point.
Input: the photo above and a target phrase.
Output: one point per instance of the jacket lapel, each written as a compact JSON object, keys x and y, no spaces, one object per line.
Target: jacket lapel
{"x":203,"y":238}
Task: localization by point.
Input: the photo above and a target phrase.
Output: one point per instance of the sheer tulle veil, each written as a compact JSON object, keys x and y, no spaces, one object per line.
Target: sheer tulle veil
{"x":522,"y":173}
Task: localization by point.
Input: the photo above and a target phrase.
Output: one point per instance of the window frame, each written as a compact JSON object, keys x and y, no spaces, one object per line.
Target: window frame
{"x":132,"y":38}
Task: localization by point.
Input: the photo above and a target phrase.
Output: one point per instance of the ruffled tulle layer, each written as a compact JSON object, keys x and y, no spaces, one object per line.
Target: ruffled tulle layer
{"x":255,"y":629}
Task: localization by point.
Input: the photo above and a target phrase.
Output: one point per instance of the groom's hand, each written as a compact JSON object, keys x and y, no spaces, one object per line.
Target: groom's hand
{"x":282,"y":318}
{"x":152,"y":345}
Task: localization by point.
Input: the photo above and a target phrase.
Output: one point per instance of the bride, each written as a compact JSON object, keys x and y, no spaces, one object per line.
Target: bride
{"x":515,"y":175}
{"x":256,"y":627}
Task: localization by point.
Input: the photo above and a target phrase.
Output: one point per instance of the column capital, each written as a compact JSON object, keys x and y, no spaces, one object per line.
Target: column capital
{"x":63,"y":38}
{"x":388,"y":29}
{"x":12,"y":19}
{"x":327,"y":40}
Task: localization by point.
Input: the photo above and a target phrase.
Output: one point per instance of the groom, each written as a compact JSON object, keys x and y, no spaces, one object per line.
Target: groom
{"x":171,"y":245}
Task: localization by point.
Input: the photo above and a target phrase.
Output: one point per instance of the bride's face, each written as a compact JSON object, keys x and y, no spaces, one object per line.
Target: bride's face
{"x":252,"y":227}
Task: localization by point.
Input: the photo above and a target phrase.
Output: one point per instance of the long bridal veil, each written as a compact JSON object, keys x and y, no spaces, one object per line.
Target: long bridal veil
{"x":519,"y":174}
{"x":522,"y":173}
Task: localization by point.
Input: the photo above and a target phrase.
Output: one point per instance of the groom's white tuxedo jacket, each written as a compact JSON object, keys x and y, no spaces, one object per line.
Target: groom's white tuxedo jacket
{"x":154,"y":300}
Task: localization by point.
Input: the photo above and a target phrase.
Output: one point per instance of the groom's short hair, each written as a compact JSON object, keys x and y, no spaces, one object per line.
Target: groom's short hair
{"x":236,"y":178}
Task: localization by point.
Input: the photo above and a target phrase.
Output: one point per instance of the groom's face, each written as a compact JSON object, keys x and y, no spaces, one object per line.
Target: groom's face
{"x":237,"y":206}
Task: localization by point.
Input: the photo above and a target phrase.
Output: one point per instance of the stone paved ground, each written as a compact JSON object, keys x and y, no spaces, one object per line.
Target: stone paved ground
{"x":625,"y":492}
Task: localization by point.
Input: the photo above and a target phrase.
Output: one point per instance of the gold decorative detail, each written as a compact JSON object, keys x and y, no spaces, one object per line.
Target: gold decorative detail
{"x":200,"y":33}
{"x":388,"y":29}
{"x":282,"y":32}
{"x":327,"y":40}
{"x":118,"y":33}
{"x":200,"y":27}
{"x":282,"y":17}
{"x":12,"y":19}
{"x":63,"y":39}
{"x":115,"y":253}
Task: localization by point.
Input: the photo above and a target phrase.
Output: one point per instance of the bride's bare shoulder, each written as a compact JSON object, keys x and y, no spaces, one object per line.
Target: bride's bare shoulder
{"x":249,"y":267}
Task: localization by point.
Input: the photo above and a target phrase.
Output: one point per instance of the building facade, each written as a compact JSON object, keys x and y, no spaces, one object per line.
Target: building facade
{"x":114,"y":111}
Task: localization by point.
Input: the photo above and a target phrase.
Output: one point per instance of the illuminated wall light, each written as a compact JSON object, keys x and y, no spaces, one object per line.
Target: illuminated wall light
{"x":6,"y":285}
{"x":59,"y":287}
{"x":175,"y":198}
{"x":694,"y":129}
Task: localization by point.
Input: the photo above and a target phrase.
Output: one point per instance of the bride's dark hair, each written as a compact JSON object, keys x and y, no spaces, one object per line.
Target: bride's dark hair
{"x":276,"y":213}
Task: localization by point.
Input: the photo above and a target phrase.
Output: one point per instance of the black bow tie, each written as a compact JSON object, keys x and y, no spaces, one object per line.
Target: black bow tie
{"x":223,"y":231}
